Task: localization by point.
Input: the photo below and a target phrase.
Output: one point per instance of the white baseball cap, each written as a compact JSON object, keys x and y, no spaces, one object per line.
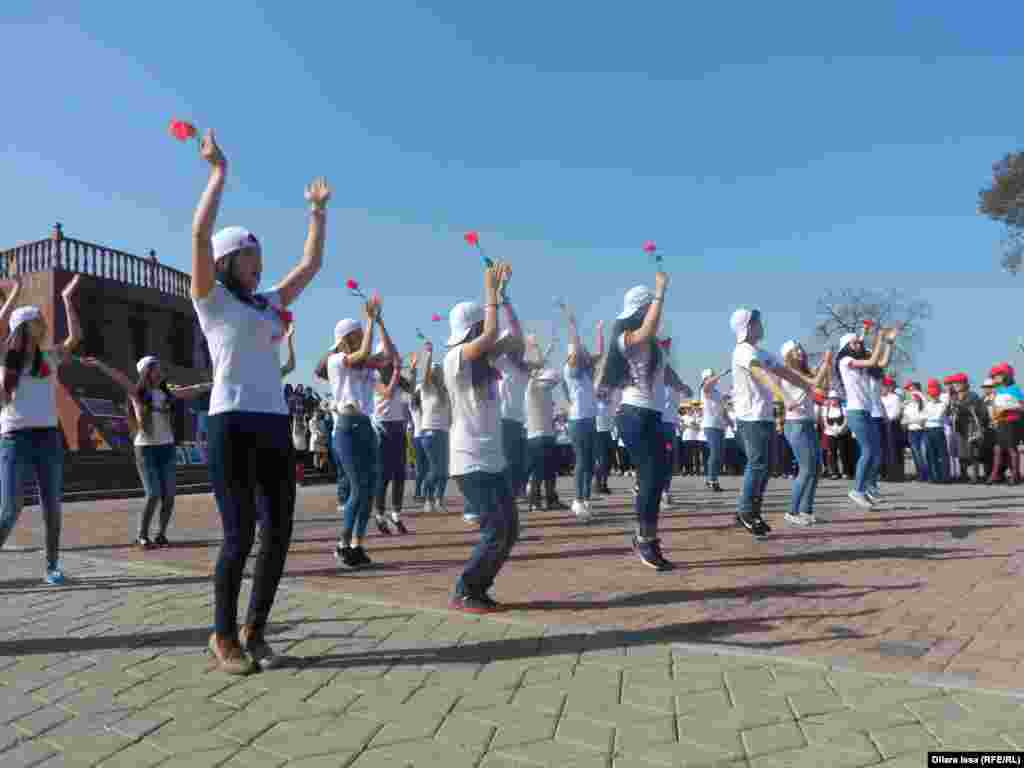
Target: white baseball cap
{"x":344,"y":328}
{"x":462,"y":318}
{"x":706,"y":374}
{"x":20,"y":316}
{"x":846,"y":339}
{"x":740,"y":322}
{"x":145,"y":362}
{"x":232,"y":239}
{"x":636,"y":298}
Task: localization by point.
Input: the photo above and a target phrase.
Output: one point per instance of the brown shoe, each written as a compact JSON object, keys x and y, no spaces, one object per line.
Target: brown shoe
{"x":229,"y":655}
{"x":256,"y":645}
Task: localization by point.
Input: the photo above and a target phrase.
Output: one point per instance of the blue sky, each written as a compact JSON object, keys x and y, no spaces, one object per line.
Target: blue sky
{"x":772,"y":151}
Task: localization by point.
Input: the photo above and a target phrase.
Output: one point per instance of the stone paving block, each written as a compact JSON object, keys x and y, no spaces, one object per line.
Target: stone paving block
{"x":816,"y":703}
{"x":687,"y":755}
{"x":14,"y":705}
{"x":659,"y":700}
{"x":245,"y":725}
{"x":700,"y":701}
{"x":773,"y":738}
{"x":887,"y":696}
{"x":421,"y":754}
{"x":331,"y":698}
{"x":902,"y":739}
{"x":175,"y":738}
{"x":723,"y":738}
{"x":346,"y":736}
{"x":816,"y":757}
{"x":41,"y":721}
{"x":28,"y":754}
{"x":135,"y":756}
{"x":461,"y":731}
{"x":633,"y":737}
{"x":253,"y":758}
{"x":341,"y":760}
{"x":599,"y":737}
{"x":404,"y":727}
{"x":93,"y":747}
{"x":213,"y":758}
{"x":140,"y":724}
{"x":556,"y":755}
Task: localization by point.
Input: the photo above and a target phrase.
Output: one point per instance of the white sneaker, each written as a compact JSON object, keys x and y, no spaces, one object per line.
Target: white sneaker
{"x":470,"y":519}
{"x":580,"y":510}
{"x":440,"y":505}
{"x":803,"y":520}
{"x":590,"y":510}
{"x":874,"y":495}
{"x":666,"y":499}
{"x":429,"y":507}
{"x":861,"y":500}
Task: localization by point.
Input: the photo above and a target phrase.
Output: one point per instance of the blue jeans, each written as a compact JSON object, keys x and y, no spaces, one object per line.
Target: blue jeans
{"x":756,"y":437}
{"x":869,"y":440}
{"x":157,"y":466}
{"x":671,"y":445}
{"x":355,"y":448}
{"x":919,"y":451}
{"x":513,"y":442}
{"x":582,"y":432}
{"x":713,"y":466}
{"x":251,"y":452}
{"x":640,"y":429}
{"x":391,"y":458}
{"x":936,"y":454}
{"x":491,"y":497}
{"x":421,"y":465}
{"x":38,"y":452}
{"x":540,"y":452}
{"x":435,"y":445}
{"x":803,"y":439}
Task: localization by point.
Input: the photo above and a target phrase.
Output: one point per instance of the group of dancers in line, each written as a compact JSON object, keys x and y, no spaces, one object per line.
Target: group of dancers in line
{"x":479,"y":389}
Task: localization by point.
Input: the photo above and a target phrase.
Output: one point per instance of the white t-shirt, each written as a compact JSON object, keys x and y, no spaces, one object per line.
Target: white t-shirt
{"x":803,"y":400}
{"x":753,"y":400}
{"x":387,"y":409}
{"x":893,"y":405}
{"x":540,"y":403}
{"x":437,"y":415}
{"x":712,"y":417}
{"x":475,"y":442}
{"x":417,"y":417}
{"x":691,"y":428}
{"x":512,"y":390}
{"x":641,"y":389}
{"x":670,"y":415}
{"x":834,"y":412}
{"x":580,"y":384}
{"x":935,"y":414}
{"x":856,"y":382}
{"x":35,"y":401}
{"x":606,"y":411}
{"x":161,"y":432}
{"x":351,"y":387}
{"x":246,"y":363}
{"x":914,"y":415}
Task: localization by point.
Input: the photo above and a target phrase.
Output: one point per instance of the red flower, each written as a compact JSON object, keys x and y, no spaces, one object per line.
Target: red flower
{"x":650,"y":246}
{"x":183,"y":131}
{"x":436,"y":318}
{"x":44,"y":370}
{"x":473,"y":238}
{"x":352,"y":285}
{"x":286,"y":316}
{"x":868,"y":324}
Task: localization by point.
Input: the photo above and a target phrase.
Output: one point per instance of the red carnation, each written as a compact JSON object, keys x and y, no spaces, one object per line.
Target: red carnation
{"x":473,"y":238}
{"x":352,"y":285}
{"x":436,"y":318}
{"x":286,"y":316}
{"x":183,"y":131}
{"x":650,"y":246}
{"x":44,"y":370}
{"x":869,"y":323}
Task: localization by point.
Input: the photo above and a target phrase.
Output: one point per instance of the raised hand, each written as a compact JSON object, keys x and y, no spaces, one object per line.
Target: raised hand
{"x":413,"y":360}
{"x":211,"y":153}
{"x":660,"y":282}
{"x":318,"y":192}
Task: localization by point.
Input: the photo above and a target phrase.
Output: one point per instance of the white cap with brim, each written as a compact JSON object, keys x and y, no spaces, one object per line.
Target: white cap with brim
{"x":20,"y":316}
{"x":988,"y":383}
{"x":740,"y":322}
{"x":706,"y":374}
{"x":231,"y":240}
{"x":636,"y":299}
{"x":462,"y":318}
{"x":846,"y":339}
{"x":145,"y":363}
{"x":344,"y":328}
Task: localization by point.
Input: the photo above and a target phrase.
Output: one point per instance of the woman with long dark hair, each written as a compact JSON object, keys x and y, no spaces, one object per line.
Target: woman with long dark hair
{"x":578,"y":376}
{"x":435,"y":424}
{"x":853,"y":368}
{"x":515,"y":373}
{"x":152,"y":400}
{"x":31,"y":442}
{"x":635,"y":363}
{"x":250,"y":441}
{"x":389,"y":419}
{"x":477,"y":457}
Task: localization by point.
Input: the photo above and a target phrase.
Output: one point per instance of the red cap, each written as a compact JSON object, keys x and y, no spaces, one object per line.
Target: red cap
{"x":950,"y":379}
{"x":933,"y":387}
{"x":908,"y":385}
{"x":889,"y":381}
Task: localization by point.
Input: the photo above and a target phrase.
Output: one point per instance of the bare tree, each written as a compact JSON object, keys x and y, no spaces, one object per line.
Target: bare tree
{"x":846,"y":310}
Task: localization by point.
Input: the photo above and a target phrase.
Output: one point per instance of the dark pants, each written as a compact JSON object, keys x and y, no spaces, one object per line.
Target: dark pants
{"x":936,"y":454}
{"x":893,"y":444}
{"x":157,"y":466}
{"x":249,"y":451}
{"x":540,"y":453}
{"x":668,"y":433}
{"x":919,"y":450}
{"x":491,"y":497}
{"x":713,"y":465}
{"x":757,"y":439}
{"x":390,"y":464}
{"x":604,"y":448}
{"x":355,"y":451}
{"x":582,"y":432}
{"x":513,"y":442}
{"x":641,"y":432}
{"x":421,"y":465}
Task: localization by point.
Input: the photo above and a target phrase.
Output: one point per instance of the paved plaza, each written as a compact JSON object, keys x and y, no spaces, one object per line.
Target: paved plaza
{"x":866,"y":640}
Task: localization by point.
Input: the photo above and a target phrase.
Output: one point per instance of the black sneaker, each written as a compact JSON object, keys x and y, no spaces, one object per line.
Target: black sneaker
{"x":143,"y":543}
{"x":754,"y":523}
{"x":161,"y":541}
{"x":382,"y":525}
{"x":556,"y":504}
{"x":650,"y":554}
{"x":479,"y":605}
{"x":362,"y":559}
{"x":346,"y":556}
{"x":716,"y":487}
{"x":399,"y":526}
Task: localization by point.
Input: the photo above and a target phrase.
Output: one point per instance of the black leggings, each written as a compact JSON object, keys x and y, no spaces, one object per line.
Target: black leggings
{"x":249,"y":451}
{"x":390,"y":464}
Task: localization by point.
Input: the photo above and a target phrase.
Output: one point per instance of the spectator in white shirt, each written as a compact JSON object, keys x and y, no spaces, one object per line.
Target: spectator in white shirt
{"x":937,"y":455}
{"x":892,"y":405}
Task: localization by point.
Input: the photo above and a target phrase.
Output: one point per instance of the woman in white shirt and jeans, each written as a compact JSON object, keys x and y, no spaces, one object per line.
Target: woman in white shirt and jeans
{"x":635,"y":363}
{"x":578,"y":374}
{"x":713,"y":423}
{"x":31,"y":443}
{"x":852,"y":366}
{"x":250,"y":442}
{"x":435,"y":423}
{"x":477,"y":458}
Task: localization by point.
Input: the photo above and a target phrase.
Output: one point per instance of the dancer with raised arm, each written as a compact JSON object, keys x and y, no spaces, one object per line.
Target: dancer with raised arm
{"x":435,"y":426}
{"x":515,"y":373}
{"x":250,"y":443}
{"x":389,"y":422}
{"x":151,"y":404}
{"x":578,"y":374}
{"x":477,"y":458}
{"x":31,"y":443}
{"x":635,"y":364}
{"x":713,"y":422}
